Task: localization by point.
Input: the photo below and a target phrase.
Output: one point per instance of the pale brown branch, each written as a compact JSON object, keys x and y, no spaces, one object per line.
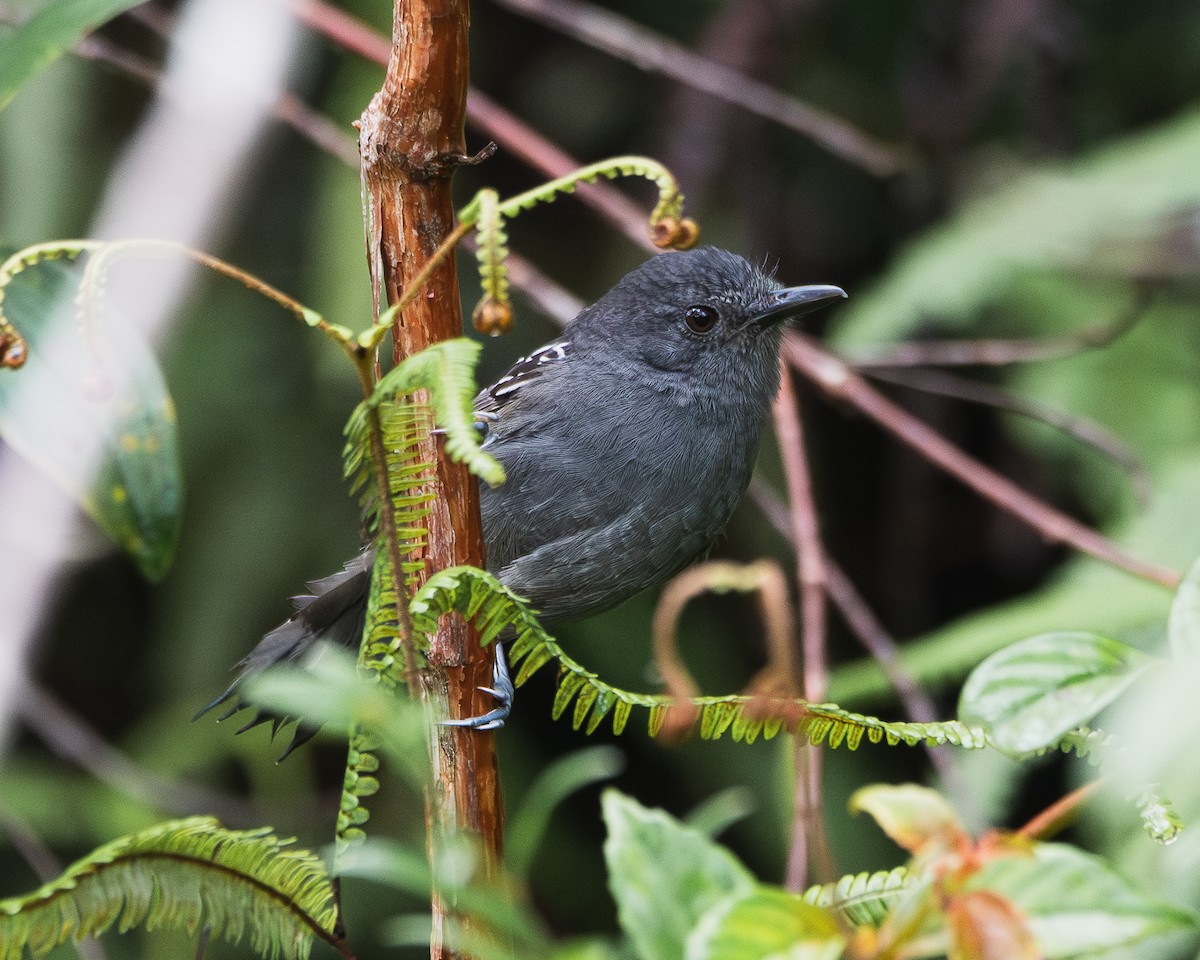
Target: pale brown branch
{"x":70,"y":737}
{"x":999,"y":353}
{"x":654,"y":53}
{"x":806,"y":535}
{"x":808,"y":822}
{"x":837,"y":380}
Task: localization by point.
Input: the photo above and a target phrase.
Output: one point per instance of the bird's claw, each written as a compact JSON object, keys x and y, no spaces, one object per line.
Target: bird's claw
{"x":482,"y":419}
{"x":502,"y":689}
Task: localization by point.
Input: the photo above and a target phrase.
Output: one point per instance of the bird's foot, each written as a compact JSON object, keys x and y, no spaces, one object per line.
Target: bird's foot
{"x":502,"y":689}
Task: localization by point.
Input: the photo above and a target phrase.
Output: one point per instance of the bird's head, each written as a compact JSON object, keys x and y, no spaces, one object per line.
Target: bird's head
{"x":706,"y":316}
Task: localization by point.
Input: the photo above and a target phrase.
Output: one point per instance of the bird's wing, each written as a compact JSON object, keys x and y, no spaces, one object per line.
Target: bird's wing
{"x":596,"y":568}
{"x":492,"y":400}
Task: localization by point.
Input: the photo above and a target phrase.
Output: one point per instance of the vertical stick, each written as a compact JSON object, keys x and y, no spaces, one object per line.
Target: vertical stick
{"x":810,"y":563}
{"x":410,"y":141}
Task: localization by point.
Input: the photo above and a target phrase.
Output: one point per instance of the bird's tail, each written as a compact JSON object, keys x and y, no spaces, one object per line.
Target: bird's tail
{"x":334,"y":611}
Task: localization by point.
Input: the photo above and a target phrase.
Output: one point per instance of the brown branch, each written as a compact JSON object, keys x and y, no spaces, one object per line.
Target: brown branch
{"x":654,"y":53}
{"x":999,"y":353}
{"x":411,"y":140}
{"x":1086,"y":431}
{"x":838,"y":381}
{"x":866,"y":627}
{"x":808,"y":822}
{"x":806,"y":536}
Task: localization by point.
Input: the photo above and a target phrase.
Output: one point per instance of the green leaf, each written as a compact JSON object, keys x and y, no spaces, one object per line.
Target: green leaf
{"x":1075,"y":902}
{"x":915,"y":817}
{"x":1028,"y":695}
{"x":463,"y":883}
{"x":44,"y":38}
{"x":1183,"y":623}
{"x":100,"y":388}
{"x":766,"y":922}
{"x":664,"y":876}
{"x":181,"y":875}
{"x":527,"y":826}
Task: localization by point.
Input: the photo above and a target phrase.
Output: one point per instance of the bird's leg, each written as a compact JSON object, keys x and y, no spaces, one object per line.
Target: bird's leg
{"x":482,"y":419}
{"x":502,"y":689}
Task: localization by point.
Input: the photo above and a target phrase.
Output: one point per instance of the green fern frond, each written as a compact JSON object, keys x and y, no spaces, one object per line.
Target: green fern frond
{"x":447,"y":371}
{"x":491,"y":248}
{"x":863,"y":898}
{"x":482,"y":598}
{"x":670,"y":199}
{"x":183,"y":875}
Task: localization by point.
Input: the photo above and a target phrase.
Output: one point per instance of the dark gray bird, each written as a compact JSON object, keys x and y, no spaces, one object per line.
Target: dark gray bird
{"x":627,"y":443}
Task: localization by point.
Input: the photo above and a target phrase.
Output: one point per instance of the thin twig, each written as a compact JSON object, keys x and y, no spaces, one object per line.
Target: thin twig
{"x":879,"y":644}
{"x":655,"y":53}
{"x":29,"y":846}
{"x":838,"y":381}
{"x":46,"y":866}
{"x":811,"y":575}
{"x":323,"y":132}
{"x":72,"y":739}
{"x":1087,"y":432}
{"x":496,"y":122}
{"x":999,"y":353}
{"x":806,"y":535}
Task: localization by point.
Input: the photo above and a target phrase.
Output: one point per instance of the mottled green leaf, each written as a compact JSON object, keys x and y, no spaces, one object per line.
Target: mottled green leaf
{"x":1075,"y":902}
{"x":80,"y":390}
{"x":1031,"y":693}
{"x":664,"y":876}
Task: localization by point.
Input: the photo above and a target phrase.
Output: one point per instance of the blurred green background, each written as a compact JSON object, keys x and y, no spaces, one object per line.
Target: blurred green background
{"x":1054,"y":163}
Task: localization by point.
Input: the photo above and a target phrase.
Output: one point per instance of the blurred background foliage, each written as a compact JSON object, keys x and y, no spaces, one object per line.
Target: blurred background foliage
{"x":1052,"y":156}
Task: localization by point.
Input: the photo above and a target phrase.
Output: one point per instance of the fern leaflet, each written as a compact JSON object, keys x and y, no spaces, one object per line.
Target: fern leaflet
{"x":863,"y":898}
{"x":182,"y":874}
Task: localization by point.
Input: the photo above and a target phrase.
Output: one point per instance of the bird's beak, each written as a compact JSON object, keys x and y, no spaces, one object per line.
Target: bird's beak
{"x":794,"y":301}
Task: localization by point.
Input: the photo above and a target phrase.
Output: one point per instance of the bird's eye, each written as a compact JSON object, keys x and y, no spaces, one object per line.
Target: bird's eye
{"x":700,"y":319}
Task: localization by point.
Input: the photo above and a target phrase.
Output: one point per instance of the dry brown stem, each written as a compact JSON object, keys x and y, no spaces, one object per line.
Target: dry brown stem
{"x":837,"y":380}
{"x":411,"y":141}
